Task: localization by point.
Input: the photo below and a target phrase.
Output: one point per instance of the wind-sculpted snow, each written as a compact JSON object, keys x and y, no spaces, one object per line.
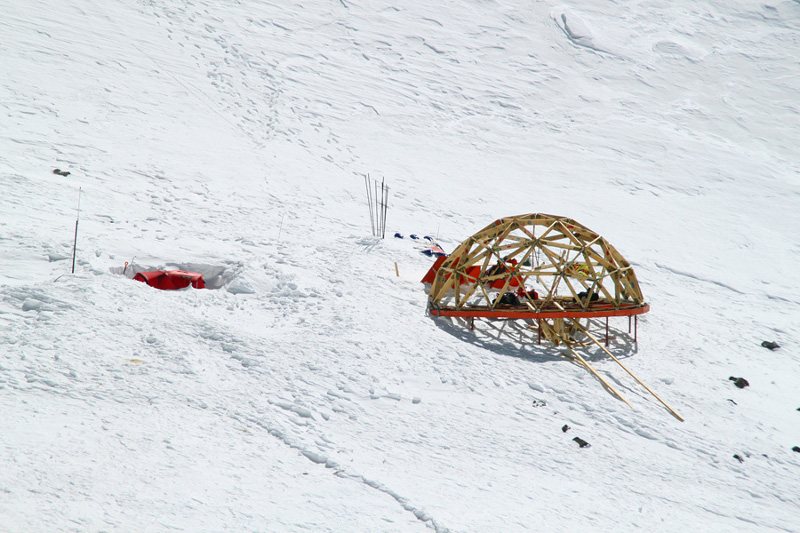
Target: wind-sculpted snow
{"x":577,"y":30}
{"x":307,"y":389}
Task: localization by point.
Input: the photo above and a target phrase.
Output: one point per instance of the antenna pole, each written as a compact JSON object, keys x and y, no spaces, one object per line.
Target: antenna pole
{"x":369,"y":203}
{"x":75,"y":242}
{"x":385,"y":208}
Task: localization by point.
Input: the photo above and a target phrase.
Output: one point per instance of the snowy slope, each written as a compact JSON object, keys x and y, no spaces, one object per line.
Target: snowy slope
{"x":307,"y":390}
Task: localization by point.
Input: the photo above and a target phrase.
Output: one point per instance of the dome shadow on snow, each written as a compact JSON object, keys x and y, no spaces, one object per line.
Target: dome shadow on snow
{"x":519,"y":338}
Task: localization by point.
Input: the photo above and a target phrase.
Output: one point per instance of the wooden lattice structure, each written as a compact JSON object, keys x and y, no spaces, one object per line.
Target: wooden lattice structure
{"x":549,"y":270}
{"x":575,"y":272}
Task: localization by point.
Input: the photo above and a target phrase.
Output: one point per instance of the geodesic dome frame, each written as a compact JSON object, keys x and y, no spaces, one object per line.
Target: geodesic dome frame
{"x":509,"y":256}
{"x":575,"y":272}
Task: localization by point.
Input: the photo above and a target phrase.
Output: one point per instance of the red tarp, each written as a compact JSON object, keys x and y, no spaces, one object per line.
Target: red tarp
{"x":431,"y":275}
{"x":170,"y":280}
{"x":474,"y":272}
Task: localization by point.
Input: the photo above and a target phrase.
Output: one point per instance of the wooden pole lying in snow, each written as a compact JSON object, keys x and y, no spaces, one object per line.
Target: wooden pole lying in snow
{"x":598,"y":376}
{"x":676,"y":415}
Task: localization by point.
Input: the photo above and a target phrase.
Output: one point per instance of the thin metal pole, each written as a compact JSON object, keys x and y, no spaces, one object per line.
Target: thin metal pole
{"x":377,"y":211}
{"x":385,"y":205}
{"x":385,"y":209}
{"x":379,"y":206}
{"x":75,"y":242}
{"x":369,"y":204}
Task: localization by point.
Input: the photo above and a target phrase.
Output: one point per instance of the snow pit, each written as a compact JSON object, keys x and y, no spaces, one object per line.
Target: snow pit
{"x":214,"y":276}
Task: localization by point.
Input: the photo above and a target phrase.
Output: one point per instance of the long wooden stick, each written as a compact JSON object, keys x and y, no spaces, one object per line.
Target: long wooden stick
{"x":639,"y":381}
{"x":598,"y":376}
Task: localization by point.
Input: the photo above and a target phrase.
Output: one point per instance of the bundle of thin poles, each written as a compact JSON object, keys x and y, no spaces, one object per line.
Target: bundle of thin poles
{"x":378,"y":202}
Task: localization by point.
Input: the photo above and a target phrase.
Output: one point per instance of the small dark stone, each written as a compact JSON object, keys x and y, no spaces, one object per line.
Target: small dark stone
{"x":796,"y":449}
{"x":565,"y":428}
{"x":582,"y":443}
{"x":738,"y":457}
{"x":734,"y":403}
{"x":739,"y":382}
{"x":60,"y":172}
{"x":771,"y":345}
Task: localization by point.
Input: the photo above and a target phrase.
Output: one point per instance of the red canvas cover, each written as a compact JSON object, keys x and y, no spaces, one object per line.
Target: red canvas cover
{"x":170,"y":280}
{"x":431,"y":275}
{"x":473,"y":272}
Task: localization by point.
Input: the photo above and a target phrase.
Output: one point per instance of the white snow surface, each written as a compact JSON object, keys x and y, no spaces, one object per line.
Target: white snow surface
{"x":307,"y":389}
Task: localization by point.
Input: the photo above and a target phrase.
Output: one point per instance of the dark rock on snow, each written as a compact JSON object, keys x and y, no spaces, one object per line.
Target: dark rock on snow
{"x":582,"y":443}
{"x":739,"y":382}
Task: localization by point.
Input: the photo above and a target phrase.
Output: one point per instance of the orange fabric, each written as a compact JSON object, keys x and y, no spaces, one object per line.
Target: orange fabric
{"x":472,"y":274}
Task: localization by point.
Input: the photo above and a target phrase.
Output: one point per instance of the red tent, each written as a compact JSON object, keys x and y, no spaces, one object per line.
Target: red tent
{"x":170,"y":280}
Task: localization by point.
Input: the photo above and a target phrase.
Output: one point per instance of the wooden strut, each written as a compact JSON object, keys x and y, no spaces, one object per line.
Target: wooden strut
{"x":598,"y":376}
{"x":676,"y":415}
